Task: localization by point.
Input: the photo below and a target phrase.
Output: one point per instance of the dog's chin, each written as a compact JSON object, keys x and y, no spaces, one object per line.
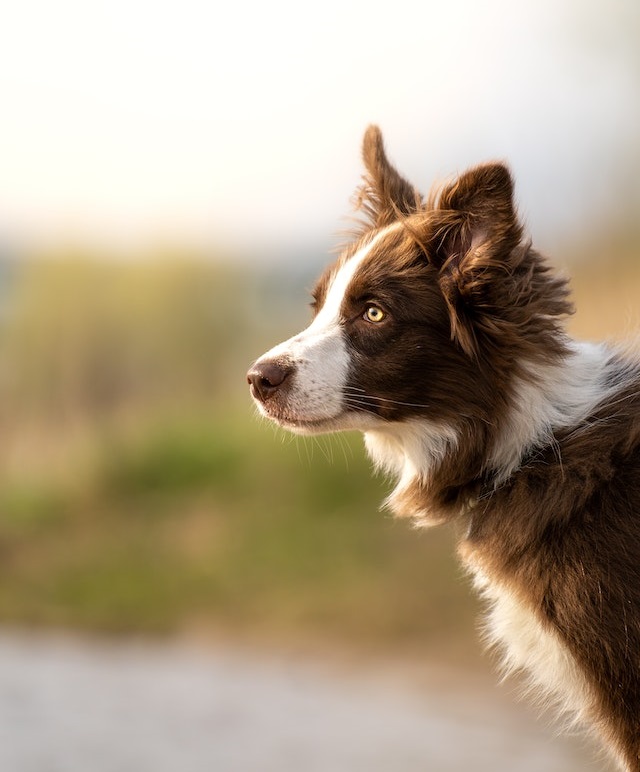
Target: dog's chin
{"x":310,"y":426}
{"x":301,"y":424}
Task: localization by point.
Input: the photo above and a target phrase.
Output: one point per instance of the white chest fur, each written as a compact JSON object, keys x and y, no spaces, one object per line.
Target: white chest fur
{"x":530,"y":647}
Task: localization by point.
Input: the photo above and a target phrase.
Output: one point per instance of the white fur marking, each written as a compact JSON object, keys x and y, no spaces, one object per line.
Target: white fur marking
{"x":411,"y":449}
{"x":529,"y":647}
{"x":557,"y":396}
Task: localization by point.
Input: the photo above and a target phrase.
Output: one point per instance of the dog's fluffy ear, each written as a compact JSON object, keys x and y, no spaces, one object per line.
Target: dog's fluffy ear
{"x":385,"y":196}
{"x":472,"y":240}
{"x":476,"y":220}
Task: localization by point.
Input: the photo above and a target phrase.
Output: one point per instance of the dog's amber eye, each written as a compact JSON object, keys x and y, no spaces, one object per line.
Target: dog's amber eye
{"x":374,"y":314}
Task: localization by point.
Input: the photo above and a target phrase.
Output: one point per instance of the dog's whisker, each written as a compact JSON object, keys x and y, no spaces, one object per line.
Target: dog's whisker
{"x":374,"y":400}
{"x":363,"y":408}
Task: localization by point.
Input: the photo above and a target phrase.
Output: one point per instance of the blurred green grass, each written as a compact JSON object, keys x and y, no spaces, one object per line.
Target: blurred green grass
{"x":139,"y":493}
{"x":221,"y":524}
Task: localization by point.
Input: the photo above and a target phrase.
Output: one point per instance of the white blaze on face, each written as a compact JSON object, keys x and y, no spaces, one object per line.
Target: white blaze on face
{"x":319,"y":353}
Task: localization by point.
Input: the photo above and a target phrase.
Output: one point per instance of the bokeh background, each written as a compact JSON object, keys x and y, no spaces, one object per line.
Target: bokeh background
{"x":172,"y":177}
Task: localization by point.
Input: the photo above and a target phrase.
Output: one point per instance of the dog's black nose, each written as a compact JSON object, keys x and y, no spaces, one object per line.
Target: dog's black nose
{"x":265,"y":378}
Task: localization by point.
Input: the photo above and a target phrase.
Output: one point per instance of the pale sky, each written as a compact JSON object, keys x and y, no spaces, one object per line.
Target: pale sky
{"x":131,"y":120}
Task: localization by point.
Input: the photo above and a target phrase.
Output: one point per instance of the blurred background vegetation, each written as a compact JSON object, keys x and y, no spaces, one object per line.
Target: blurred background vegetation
{"x":140,"y":493}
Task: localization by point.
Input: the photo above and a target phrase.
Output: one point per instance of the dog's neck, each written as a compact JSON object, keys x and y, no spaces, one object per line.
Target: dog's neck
{"x":442,"y":469}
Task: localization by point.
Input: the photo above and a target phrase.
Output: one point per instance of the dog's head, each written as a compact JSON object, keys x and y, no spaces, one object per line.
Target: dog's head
{"x":427,"y":315}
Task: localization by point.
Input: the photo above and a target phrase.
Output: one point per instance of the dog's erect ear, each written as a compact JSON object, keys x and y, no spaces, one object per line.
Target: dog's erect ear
{"x":384,"y":196}
{"x":472,"y":240}
{"x":476,"y":220}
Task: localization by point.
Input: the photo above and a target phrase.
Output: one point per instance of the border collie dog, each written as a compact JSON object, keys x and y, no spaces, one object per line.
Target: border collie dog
{"x":439,"y":333}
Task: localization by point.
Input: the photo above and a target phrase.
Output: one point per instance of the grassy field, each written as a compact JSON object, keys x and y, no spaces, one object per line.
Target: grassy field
{"x":139,"y":493}
{"x":211,"y":523}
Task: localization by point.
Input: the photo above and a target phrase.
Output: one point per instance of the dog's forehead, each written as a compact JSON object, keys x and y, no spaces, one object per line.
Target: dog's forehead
{"x":365,"y":263}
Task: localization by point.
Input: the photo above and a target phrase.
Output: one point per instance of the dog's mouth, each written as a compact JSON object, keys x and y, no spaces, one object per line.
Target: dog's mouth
{"x":280,"y":399}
